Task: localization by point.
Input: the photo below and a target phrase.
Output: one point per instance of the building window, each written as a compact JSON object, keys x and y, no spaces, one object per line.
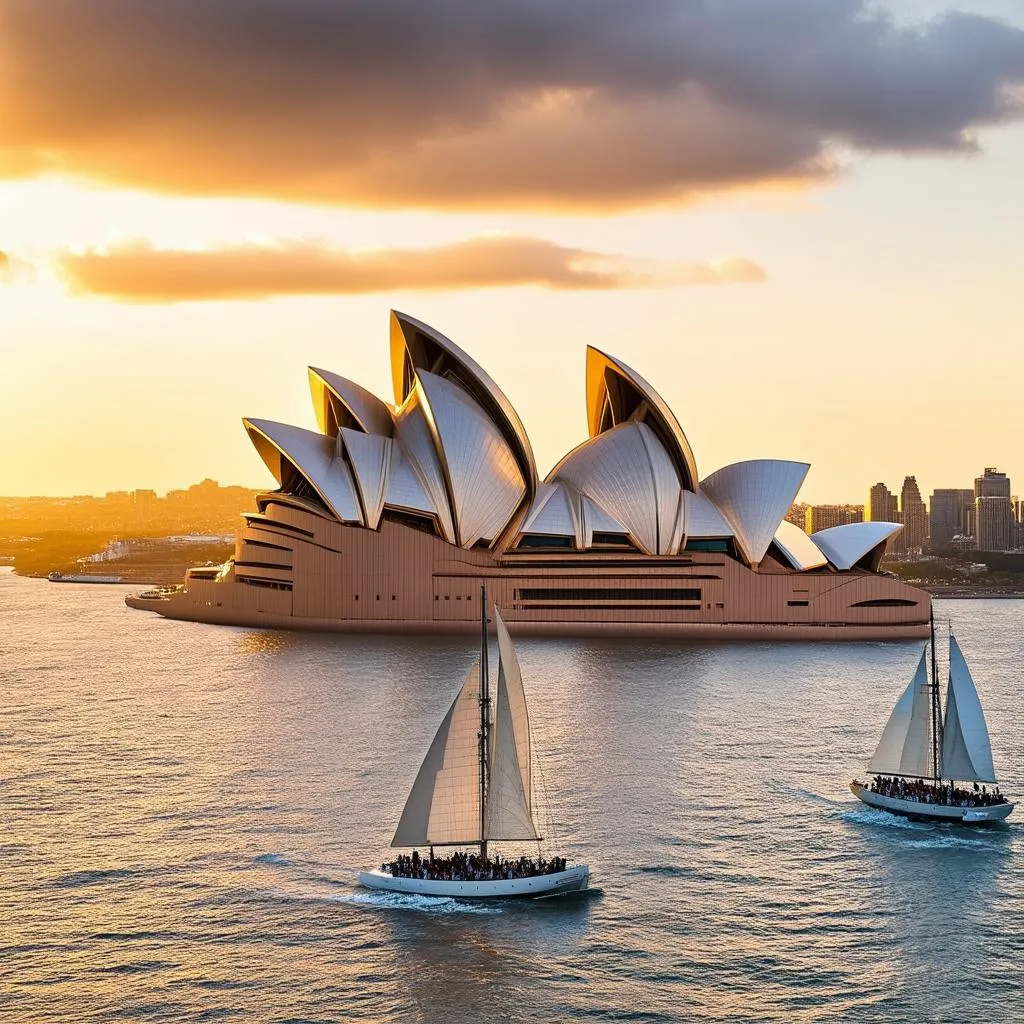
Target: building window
{"x":529,"y":540}
{"x":609,"y":594}
{"x":721,"y":546}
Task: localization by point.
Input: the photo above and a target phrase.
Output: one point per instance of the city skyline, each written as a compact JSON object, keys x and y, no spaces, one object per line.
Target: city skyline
{"x":927,"y":494}
{"x":815,"y":259}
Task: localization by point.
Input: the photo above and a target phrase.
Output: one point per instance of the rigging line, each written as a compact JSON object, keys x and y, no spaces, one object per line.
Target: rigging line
{"x":549,"y":830}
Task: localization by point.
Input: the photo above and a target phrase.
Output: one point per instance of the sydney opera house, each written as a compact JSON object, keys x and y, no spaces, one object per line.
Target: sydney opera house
{"x":389,"y":517}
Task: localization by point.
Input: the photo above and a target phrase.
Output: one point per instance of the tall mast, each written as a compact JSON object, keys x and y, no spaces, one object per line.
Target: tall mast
{"x":935,"y":702}
{"x":485,"y":718}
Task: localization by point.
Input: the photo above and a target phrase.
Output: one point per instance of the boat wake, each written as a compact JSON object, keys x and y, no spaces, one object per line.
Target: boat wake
{"x":925,"y":835}
{"x":413,"y":902}
{"x":860,"y":815}
{"x":950,"y":842}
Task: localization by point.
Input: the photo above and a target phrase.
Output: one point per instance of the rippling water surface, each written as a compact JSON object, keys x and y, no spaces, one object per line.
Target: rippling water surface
{"x":182,"y":808}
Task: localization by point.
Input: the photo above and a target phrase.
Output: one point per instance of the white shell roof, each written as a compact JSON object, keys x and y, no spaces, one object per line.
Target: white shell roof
{"x":599,"y":365}
{"x":455,"y":449}
{"x":755,"y":497}
{"x":366,"y":409}
{"x":312,"y":455}
{"x":370,"y":458}
{"x":678,"y":529}
{"x":703,"y":518}
{"x":596,"y":520}
{"x":553,"y":513}
{"x":560,"y":510}
{"x":484,"y":479}
{"x":404,"y":328}
{"x":629,"y":474}
{"x":846,"y":545}
{"x":417,"y":441}
{"x":801,"y":552}
{"x":405,"y":492}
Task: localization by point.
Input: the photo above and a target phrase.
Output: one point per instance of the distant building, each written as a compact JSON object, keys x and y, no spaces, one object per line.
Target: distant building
{"x":913,"y":515}
{"x":992,"y":484}
{"x":993,"y":523}
{"x":797,"y":514}
{"x":993,"y":513}
{"x":205,"y":489}
{"x":824,"y":517}
{"x":882,"y":506}
{"x":950,"y":516}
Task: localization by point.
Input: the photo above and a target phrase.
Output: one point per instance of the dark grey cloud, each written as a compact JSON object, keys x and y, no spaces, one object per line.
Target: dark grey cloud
{"x":497,"y":103}
{"x":140,"y":273}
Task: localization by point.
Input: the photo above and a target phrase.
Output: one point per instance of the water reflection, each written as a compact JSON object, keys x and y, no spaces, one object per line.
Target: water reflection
{"x":477,"y":962}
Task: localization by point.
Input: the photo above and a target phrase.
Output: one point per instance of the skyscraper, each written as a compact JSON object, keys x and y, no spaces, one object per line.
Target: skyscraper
{"x":993,"y":513}
{"x":992,"y":484}
{"x":914,"y":516}
{"x":950,"y":508}
{"x":881,"y":506}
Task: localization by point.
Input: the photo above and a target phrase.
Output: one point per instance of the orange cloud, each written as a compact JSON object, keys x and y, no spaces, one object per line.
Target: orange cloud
{"x":140,"y":273}
{"x":509,"y":103}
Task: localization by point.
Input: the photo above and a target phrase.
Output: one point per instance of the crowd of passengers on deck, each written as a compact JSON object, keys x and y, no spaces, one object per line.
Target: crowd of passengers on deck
{"x":926,"y":792}
{"x":463,"y":867}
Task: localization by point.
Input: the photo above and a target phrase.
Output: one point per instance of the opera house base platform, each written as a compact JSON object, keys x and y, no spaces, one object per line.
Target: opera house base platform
{"x":296,"y":567}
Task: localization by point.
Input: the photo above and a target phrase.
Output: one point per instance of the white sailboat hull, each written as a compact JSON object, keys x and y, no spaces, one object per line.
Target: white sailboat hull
{"x":933,"y":812}
{"x":572,"y":879}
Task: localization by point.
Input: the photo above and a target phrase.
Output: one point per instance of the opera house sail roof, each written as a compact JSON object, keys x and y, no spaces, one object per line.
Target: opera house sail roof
{"x":424,"y":496}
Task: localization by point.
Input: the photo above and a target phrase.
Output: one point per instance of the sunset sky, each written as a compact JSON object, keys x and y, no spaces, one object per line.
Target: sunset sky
{"x":801,"y":221}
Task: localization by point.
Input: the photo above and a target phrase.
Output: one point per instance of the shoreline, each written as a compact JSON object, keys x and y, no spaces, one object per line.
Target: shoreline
{"x":961,"y":595}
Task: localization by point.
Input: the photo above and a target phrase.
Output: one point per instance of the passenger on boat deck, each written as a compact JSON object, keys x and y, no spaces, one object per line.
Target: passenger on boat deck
{"x":462,"y":867}
{"x":930,"y":792}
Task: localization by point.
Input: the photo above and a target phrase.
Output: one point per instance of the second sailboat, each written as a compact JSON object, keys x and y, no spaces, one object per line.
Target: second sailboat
{"x":931,"y":765}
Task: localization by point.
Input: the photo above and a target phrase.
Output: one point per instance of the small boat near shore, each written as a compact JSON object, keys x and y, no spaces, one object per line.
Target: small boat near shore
{"x":932,"y":765}
{"x":82,"y":577}
{"x":475,"y":788}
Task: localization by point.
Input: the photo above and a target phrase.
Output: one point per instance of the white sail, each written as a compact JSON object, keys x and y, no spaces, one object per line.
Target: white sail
{"x":966,"y":750}
{"x":905,"y":746}
{"x":444,"y":803}
{"x":509,"y":812}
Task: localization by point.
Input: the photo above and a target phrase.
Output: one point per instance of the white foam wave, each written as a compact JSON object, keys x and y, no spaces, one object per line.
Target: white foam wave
{"x":871,"y":816}
{"x":414,"y":902}
{"x":271,"y":858}
{"x":945,"y":842}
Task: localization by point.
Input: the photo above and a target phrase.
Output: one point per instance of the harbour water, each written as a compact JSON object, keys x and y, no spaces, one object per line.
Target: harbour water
{"x":182,"y":808}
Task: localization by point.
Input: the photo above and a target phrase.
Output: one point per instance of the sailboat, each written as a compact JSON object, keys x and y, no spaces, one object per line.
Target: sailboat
{"x":924,"y":753}
{"x":474,"y":788}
